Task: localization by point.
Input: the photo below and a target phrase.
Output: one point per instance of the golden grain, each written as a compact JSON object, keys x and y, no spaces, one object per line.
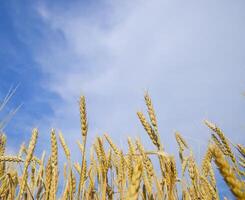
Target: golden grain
{"x":112,"y":173}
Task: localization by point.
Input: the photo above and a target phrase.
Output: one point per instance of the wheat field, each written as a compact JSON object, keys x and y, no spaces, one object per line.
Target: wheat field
{"x":111,"y":173}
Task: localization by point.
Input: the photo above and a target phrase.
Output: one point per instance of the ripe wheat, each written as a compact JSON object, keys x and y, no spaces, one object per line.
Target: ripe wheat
{"x":109,"y":172}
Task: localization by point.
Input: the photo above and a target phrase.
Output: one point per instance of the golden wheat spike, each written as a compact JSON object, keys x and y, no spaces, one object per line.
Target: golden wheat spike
{"x":192,"y":169}
{"x":133,"y":190}
{"x":173,"y":169}
{"x":209,"y":188}
{"x":113,"y":145}
{"x":223,"y":139}
{"x":64,"y":146}
{"x":151,"y":111}
{"x":73,"y":185}
{"x":48,"y":173}
{"x":149,"y":130}
{"x":83,"y":173}
{"x":2,"y":151}
{"x":236,"y":186}
{"x":206,"y":162}
{"x":54,"y":165}
{"x":30,"y":152}
{"x":181,"y":141}
{"x":3,"y":139}
{"x":10,"y":159}
{"x":83,"y":115}
{"x":146,"y":161}
{"x":147,"y":183}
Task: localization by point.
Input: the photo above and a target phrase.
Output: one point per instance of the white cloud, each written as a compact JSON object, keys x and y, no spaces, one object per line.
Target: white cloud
{"x":189,"y":55}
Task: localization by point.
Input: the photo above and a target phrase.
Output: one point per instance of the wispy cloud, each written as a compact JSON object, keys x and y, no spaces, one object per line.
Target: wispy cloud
{"x":188,"y":55}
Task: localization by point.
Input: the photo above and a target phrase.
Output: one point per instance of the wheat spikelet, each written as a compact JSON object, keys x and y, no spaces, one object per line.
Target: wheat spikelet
{"x":241,"y":149}
{"x":146,"y":161}
{"x":149,"y":167}
{"x":206,"y":162}
{"x":36,"y":160}
{"x":186,"y":195}
{"x":77,"y":167}
{"x":48,"y":173}
{"x":193,"y":193}
{"x":131,"y":146}
{"x":184,"y":165}
{"x":212,"y":176}
{"x":149,"y":130}
{"x":2,"y":144}
{"x":83,"y":173}
{"x":192,"y":168}
{"x":73,"y":185}
{"x":180,"y":140}
{"x":113,"y":146}
{"x":90,"y":193}
{"x":54,"y":164}
{"x":242,"y":161}
{"x":109,"y":159}
{"x":133,"y":190}
{"x":121,"y":169}
{"x":54,"y":148}
{"x":181,"y":143}
{"x":151,"y":111}
{"x":173,"y":169}
{"x":30,"y":152}
{"x":223,"y":139}
{"x":65,"y":170}
{"x":10,"y":159}
{"x":236,"y":186}
{"x":54,"y":180}
{"x":83,"y":114}
{"x":210,"y":189}
{"x":2,"y":150}
{"x":131,"y":150}
{"x":100,"y":152}
{"x":147,"y":184}
{"x":220,"y":145}
{"x":64,"y":146}
{"x":33,"y":178}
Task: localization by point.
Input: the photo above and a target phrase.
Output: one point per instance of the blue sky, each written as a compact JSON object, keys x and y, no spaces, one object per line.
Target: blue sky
{"x":189,"y":55}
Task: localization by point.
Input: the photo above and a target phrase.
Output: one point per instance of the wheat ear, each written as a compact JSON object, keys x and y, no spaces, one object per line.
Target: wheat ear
{"x":113,"y":145}
{"x":2,"y":151}
{"x":149,"y":130}
{"x":236,"y":186}
{"x":133,"y":190}
{"x":29,"y":155}
{"x":223,"y":139}
{"x":10,"y":159}
{"x":64,"y":146}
